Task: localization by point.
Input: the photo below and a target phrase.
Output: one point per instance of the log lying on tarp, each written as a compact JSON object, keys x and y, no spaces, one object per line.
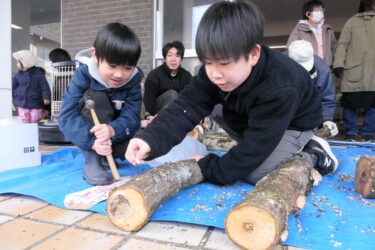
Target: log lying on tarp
{"x":218,"y":141}
{"x":130,"y":206}
{"x":260,"y":221}
{"x":365,"y":176}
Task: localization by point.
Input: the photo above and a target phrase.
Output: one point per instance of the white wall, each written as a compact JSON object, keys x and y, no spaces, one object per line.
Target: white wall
{"x":5,"y":60}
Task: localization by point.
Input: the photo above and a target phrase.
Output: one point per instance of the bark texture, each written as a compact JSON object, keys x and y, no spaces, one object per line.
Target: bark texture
{"x":365,"y":176}
{"x":130,"y":206}
{"x":260,"y":221}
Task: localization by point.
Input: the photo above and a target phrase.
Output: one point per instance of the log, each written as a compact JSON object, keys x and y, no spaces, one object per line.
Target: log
{"x":216,"y":141}
{"x":365,"y":176}
{"x":130,"y":206}
{"x":260,"y":221}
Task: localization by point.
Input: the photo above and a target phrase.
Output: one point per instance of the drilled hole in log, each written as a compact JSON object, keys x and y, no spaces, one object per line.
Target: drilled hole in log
{"x":248,"y":227}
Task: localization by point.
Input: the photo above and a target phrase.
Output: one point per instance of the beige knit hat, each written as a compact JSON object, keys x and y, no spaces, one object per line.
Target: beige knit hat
{"x":302,"y":52}
{"x":27,"y":59}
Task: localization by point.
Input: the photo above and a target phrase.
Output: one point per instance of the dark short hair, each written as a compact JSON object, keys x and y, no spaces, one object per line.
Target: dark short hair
{"x":365,"y":5}
{"x":175,"y":44}
{"x":309,"y":6}
{"x":117,"y":44}
{"x":59,"y":55}
{"x":229,"y":30}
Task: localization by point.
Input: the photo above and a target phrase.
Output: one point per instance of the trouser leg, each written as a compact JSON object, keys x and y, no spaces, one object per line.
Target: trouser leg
{"x":349,"y":118}
{"x":163,"y":100}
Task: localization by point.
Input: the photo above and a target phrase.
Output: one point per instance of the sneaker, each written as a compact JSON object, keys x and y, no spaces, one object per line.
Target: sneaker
{"x":350,"y":138}
{"x":326,"y":161}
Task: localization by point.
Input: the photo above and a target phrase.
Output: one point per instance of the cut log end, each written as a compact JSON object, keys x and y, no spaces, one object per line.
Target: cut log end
{"x":126,"y":209}
{"x":251,"y":227}
{"x":365,"y":177}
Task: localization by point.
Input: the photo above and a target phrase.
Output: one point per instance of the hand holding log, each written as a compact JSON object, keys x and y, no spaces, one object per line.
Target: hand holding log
{"x":90,"y":105}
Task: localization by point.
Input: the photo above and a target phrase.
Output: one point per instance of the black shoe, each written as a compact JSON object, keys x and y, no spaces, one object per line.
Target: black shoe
{"x":350,"y":138}
{"x":105,"y":163}
{"x":327,"y":163}
{"x":94,"y":172}
{"x":368,"y":138}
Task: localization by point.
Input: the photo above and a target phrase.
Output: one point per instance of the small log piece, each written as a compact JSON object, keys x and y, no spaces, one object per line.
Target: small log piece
{"x":130,"y":206}
{"x":260,"y":221}
{"x":216,"y":141}
{"x":365,"y":176}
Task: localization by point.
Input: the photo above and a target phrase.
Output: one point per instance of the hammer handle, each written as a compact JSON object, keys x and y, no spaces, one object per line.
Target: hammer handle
{"x":110,"y":159}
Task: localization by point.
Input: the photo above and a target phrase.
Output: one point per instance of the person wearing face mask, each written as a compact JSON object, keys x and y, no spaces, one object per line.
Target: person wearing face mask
{"x":165,"y":82}
{"x":313,"y":28}
{"x":354,"y":64}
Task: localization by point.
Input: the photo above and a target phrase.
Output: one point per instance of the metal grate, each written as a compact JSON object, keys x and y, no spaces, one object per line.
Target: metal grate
{"x":62,"y":73}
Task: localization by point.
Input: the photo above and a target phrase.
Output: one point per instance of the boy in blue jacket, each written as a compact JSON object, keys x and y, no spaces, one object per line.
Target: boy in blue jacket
{"x":268,"y":100}
{"x":111,"y":79}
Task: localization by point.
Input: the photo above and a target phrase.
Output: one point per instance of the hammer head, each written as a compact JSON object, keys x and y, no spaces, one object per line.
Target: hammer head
{"x":90,"y":104}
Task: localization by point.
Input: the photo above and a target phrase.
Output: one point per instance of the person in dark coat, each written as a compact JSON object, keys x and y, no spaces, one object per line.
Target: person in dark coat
{"x":111,"y":79}
{"x":165,"y":82}
{"x":268,"y":100}
{"x":30,"y":89}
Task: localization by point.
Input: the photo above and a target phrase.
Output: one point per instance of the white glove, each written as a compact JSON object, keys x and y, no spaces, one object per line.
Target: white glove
{"x":332,"y":127}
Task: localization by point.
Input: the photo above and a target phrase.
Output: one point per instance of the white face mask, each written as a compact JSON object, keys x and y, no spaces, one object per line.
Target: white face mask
{"x":317,"y":16}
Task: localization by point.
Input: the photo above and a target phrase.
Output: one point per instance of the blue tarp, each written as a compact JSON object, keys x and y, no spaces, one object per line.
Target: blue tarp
{"x":335,"y":216}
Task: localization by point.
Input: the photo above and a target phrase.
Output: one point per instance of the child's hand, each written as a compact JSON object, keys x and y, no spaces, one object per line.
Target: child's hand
{"x":102,"y":148}
{"x":46,"y":101}
{"x":137,"y":151}
{"x":103,"y":132}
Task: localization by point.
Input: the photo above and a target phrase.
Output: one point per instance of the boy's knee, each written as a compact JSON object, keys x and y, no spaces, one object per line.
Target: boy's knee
{"x":102,"y":106}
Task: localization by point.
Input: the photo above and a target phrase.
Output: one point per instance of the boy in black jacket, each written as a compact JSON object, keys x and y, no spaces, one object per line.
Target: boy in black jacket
{"x":268,"y":100}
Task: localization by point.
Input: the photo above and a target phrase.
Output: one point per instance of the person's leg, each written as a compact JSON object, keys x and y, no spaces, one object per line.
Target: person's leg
{"x":94,"y":171}
{"x":368,"y":127}
{"x":349,"y":118}
{"x":291,"y":144}
{"x":36,"y":115}
{"x":24,"y":115}
{"x":163,"y":100}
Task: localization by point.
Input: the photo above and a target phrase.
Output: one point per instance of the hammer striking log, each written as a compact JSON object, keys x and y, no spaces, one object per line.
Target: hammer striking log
{"x":90,"y":104}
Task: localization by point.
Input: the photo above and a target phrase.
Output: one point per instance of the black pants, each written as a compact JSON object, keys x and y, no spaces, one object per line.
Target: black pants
{"x":106,"y":113}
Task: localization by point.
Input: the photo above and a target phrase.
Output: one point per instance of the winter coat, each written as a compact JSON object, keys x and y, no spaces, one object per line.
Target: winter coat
{"x":30,"y":88}
{"x":76,"y":129}
{"x":356,"y":54}
{"x":302,"y":31}
{"x":278,"y":95}
{"x":324,"y":83}
{"x":159,"y":81}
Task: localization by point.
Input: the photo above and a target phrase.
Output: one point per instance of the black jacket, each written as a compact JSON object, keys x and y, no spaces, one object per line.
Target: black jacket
{"x":158,"y":81}
{"x":278,"y":95}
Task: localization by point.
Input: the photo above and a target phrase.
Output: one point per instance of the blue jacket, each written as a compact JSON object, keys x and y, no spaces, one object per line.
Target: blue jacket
{"x":326,"y":87}
{"x":77,"y":130}
{"x":30,"y":88}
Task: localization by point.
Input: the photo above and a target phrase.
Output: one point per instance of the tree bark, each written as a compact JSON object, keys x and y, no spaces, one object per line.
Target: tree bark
{"x":260,"y":221}
{"x":216,"y":141}
{"x":365,"y":176}
{"x":130,"y":206}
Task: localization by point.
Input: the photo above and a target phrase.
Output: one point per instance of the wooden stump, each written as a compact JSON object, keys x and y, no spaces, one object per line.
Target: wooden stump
{"x":130,"y":206}
{"x":260,"y":221}
{"x":215,"y":141}
{"x":365,"y":176}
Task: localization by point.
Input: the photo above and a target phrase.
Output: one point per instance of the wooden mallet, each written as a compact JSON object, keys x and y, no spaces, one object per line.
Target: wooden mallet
{"x":90,"y":104}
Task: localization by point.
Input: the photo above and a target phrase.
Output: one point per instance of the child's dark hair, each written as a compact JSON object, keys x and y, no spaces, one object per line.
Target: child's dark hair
{"x":175,"y":44}
{"x":59,"y":55}
{"x":309,"y":6}
{"x":229,"y":30}
{"x":117,"y":44}
{"x":366,"y":5}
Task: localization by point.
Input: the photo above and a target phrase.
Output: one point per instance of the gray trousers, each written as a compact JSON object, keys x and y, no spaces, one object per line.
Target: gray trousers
{"x":290,"y":145}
